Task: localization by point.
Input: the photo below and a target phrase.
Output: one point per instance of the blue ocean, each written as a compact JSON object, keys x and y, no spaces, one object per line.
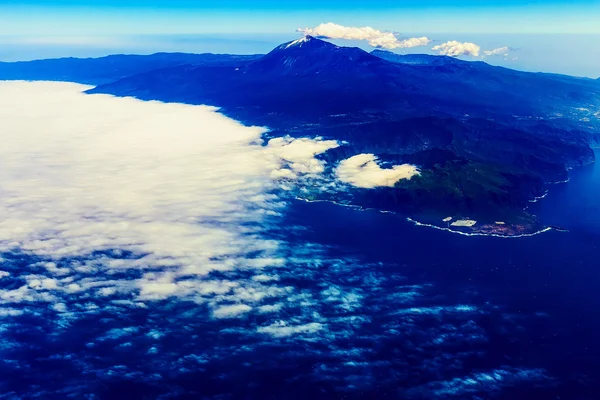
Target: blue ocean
{"x":505,"y":318}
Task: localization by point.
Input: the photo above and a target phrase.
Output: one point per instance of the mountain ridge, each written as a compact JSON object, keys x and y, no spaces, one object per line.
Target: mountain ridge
{"x":107,"y":69}
{"x":38,"y":69}
{"x":371,"y":83}
{"x":440,"y":60}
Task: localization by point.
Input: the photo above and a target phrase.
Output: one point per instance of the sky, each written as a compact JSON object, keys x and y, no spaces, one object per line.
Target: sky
{"x":268,"y":16}
{"x":568,"y":31}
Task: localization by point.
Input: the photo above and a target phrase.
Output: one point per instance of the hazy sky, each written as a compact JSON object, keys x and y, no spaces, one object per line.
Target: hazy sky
{"x":557,"y":35}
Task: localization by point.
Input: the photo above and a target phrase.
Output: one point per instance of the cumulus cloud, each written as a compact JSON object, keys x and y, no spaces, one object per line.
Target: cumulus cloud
{"x":231,"y":311}
{"x":375,"y":38}
{"x":454,"y":48}
{"x":363,"y":171}
{"x":500,"y":51}
{"x":270,"y":308}
{"x":414,"y":42}
{"x":294,"y":157}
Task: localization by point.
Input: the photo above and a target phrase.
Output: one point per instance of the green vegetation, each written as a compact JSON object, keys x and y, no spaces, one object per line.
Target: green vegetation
{"x":466,"y":187}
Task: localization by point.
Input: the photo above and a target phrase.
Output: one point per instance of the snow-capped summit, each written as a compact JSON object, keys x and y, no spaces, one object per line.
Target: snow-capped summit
{"x":299,"y":42}
{"x":312,"y":55}
{"x":305,"y":42}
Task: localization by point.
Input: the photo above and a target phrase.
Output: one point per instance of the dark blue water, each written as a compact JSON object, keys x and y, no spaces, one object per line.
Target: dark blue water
{"x":546,"y":286}
{"x":367,"y":305}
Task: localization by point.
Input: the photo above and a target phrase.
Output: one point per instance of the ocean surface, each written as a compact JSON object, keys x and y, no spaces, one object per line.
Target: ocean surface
{"x":536,"y":296}
{"x":196,"y":278}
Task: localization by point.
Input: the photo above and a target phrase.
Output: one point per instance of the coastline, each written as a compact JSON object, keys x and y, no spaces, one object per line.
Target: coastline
{"x":415,"y":222}
{"x":521,"y":235}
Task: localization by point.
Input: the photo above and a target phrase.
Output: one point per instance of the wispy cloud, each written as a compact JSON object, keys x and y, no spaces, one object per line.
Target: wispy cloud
{"x":283,"y":329}
{"x":500,"y":51}
{"x":375,"y":38}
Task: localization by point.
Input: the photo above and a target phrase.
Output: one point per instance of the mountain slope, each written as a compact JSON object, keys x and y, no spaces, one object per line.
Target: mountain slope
{"x":299,"y":81}
{"x":484,"y":136}
{"x":308,"y":55}
{"x":95,"y":71}
{"x":324,"y":80}
{"x":518,"y":93}
{"x":422,"y":59}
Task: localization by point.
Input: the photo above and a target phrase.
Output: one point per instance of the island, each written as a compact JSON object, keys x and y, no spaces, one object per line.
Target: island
{"x":461,"y":146}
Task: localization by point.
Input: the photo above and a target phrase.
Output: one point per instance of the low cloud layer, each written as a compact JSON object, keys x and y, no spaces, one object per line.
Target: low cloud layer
{"x":454,"y":48}
{"x":180,"y":187}
{"x":363,"y":171}
{"x":375,"y":38}
{"x":108,"y":177}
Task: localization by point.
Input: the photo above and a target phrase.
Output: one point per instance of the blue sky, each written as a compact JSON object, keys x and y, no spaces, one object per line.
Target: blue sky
{"x":40,"y":29}
{"x":270,"y":16}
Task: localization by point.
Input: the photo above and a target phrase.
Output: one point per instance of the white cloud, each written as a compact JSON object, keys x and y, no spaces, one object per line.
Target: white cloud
{"x":375,"y":38}
{"x":265,"y":278}
{"x":157,"y":290}
{"x":107,"y":291}
{"x":363,"y":171}
{"x":454,"y":48}
{"x":231,"y":311}
{"x":60,"y":307}
{"x":270,"y":308}
{"x":95,"y":173}
{"x":293,"y":157}
{"x":414,"y":42}
{"x":10,"y":312}
{"x":25,"y":294}
{"x":283,"y":329}
{"x":73,"y":288}
{"x":500,"y":51}
{"x":43,"y":284}
{"x":86,"y":173}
